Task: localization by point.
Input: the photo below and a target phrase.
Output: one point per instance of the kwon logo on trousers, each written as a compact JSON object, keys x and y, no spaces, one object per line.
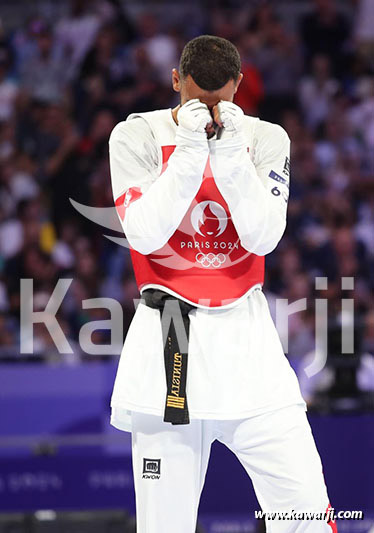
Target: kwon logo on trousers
{"x":151,"y":468}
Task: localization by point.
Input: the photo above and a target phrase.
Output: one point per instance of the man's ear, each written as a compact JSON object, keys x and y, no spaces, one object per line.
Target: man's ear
{"x":176,"y":80}
{"x":240,"y":77}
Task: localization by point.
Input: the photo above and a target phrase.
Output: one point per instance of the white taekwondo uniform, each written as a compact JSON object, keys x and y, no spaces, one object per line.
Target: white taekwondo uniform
{"x":199,"y":217}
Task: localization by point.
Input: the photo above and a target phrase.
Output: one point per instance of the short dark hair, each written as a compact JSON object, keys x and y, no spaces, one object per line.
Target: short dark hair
{"x":211,"y":62}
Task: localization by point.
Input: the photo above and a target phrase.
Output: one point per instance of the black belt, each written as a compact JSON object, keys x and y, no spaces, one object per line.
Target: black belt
{"x":175,"y":328}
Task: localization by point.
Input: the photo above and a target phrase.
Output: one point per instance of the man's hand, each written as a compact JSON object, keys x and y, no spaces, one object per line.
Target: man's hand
{"x":194,"y":116}
{"x":229,"y":115}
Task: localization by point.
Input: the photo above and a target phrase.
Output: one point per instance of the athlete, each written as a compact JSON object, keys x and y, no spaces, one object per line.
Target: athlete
{"x":201,"y":191}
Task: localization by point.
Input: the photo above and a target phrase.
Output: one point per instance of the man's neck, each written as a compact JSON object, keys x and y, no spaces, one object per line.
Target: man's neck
{"x":174,"y":113}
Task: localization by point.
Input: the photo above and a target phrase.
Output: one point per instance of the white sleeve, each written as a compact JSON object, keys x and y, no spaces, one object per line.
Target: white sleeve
{"x":256,"y":192}
{"x":160,"y":201}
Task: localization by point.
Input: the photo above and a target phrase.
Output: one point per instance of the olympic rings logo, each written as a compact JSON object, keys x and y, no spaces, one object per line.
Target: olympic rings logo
{"x":210,"y":260}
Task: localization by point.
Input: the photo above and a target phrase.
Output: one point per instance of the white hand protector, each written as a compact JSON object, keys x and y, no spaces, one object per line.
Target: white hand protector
{"x":194,"y":116}
{"x":231,"y":116}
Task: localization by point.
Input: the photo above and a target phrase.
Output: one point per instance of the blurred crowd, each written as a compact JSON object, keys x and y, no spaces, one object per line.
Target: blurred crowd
{"x":66,"y":81}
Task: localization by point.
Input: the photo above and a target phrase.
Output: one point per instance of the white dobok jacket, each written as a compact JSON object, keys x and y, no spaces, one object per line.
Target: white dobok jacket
{"x":199,"y":217}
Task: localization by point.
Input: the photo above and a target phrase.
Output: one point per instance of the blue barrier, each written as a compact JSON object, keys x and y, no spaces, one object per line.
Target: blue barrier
{"x":45,"y":411}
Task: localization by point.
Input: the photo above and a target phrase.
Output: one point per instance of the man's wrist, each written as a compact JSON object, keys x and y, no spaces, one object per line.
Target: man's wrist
{"x":228,"y":145}
{"x":187,"y":137}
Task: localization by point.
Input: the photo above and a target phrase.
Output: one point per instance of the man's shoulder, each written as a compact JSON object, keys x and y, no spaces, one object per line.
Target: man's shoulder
{"x":127,"y":127}
{"x":138,"y":125}
{"x":158,"y":114}
{"x":263,"y":129}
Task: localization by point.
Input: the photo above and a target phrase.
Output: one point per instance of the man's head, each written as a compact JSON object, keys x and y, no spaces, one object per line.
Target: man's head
{"x":209,"y":70}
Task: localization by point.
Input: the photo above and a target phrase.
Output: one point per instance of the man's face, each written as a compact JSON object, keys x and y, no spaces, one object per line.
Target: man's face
{"x":189,"y":90}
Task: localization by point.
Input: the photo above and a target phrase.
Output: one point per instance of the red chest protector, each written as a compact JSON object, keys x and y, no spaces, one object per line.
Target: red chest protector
{"x":203,"y":261}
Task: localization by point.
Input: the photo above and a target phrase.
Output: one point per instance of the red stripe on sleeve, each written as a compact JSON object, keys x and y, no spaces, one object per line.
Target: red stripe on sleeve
{"x":123,"y":201}
{"x":166,"y":153}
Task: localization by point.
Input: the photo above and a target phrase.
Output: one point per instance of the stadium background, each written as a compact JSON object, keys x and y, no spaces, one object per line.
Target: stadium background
{"x":69,"y":71}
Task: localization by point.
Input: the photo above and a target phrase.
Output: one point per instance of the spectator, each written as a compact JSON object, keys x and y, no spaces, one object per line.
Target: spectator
{"x":280,"y":64}
{"x":326,"y":31}
{"x":316,"y":92}
{"x":76,"y":33}
{"x":160,"y":47}
{"x":44,"y":77}
{"x":251,"y":90}
{"x":364,"y":29}
{"x":8,"y":87}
